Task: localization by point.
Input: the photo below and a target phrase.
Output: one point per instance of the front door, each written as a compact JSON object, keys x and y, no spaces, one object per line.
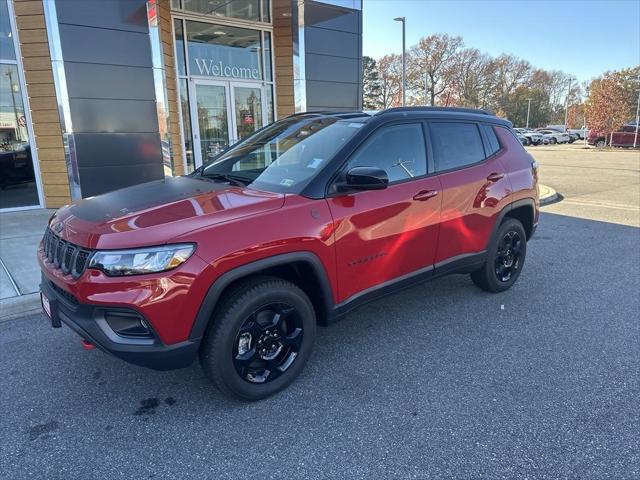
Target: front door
{"x":223,"y":113}
{"x":382,"y":235}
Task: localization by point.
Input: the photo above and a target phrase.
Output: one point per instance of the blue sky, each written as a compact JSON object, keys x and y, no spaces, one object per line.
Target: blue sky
{"x":581,"y":37}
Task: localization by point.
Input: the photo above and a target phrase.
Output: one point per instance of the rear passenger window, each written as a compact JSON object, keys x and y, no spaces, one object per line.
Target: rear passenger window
{"x":456,"y":144}
{"x":491,"y":137}
{"x":399,"y":150}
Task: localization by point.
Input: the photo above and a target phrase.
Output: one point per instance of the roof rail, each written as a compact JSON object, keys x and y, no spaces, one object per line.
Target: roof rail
{"x":435,"y":109}
{"x":346,"y":114}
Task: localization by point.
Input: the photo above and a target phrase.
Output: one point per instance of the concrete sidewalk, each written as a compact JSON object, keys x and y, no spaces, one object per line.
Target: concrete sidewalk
{"x":20,"y":234}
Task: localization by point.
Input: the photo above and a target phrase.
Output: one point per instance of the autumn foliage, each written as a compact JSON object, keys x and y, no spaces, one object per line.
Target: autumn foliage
{"x":442,"y":71}
{"x":612,"y":99}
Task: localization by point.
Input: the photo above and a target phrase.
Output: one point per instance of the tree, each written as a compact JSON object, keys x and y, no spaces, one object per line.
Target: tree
{"x":431,"y":62}
{"x":390,"y":74}
{"x":473,"y":78}
{"x":611,"y":100}
{"x":371,"y":84}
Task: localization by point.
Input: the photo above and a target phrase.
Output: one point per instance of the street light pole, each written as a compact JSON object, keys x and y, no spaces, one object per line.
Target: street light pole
{"x":404,"y":64}
{"x":635,"y":137}
{"x":528,"y":110}
{"x":566,"y":107}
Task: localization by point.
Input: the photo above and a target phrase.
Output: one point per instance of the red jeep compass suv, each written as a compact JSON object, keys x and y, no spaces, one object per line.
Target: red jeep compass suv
{"x":293,"y":226}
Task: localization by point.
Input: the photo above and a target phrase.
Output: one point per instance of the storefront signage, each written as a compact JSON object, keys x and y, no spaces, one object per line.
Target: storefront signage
{"x":213,"y":68}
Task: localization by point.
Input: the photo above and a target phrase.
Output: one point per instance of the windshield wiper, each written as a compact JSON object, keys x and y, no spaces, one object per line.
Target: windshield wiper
{"x":227,"y":177}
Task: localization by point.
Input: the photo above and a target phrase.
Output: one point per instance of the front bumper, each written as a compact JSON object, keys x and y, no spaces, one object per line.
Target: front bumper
{"x":89,"y":322}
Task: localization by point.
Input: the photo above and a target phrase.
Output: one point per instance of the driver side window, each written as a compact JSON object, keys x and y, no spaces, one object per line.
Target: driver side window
{"x":398,"y":149}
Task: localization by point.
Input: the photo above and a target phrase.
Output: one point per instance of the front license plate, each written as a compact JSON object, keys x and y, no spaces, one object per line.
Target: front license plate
{"x":46,"y":304}
{"x":49,"y":307}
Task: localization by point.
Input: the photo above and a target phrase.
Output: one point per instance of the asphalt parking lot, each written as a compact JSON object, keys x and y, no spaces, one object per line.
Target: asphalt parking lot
{"x":439,"y":381}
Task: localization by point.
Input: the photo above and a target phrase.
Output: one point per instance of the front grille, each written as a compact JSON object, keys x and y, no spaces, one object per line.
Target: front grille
{"x":65,"y":256}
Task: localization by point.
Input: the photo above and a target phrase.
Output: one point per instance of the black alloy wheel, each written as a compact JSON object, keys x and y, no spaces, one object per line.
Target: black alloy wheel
{"x":507,"y":260}
{"x":259,"y":338}
{"x":268,"y":343}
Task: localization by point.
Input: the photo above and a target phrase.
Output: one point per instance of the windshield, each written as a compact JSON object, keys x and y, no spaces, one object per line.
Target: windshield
{"x":284,"y":156}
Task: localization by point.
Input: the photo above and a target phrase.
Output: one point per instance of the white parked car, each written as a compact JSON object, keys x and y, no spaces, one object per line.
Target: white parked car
{"x":533,"y":137}
{"x":552,"y":136}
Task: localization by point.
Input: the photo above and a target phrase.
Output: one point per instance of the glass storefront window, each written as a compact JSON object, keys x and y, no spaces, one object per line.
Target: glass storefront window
{"x":186,"y":125}
{"x":7,"y":52}
{"x":17,"y":176}
{"x":225,"y":76}
{"x":266,"y":11}
{"x":267,"y":56}
{"x":241,"y":9}
{"x":269,"y":95}
{"x":180,"y":60}
{"x":222,"y":51}
{"x":248,"y":108}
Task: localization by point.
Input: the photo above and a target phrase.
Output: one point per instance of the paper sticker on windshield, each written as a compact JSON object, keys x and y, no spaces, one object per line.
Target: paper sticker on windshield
{"x":287,"y":182}
{"x":315,"y":163}
{"x":356,"y":125}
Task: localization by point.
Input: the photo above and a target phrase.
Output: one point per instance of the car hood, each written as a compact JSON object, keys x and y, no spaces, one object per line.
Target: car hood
{"x":156,"y":212}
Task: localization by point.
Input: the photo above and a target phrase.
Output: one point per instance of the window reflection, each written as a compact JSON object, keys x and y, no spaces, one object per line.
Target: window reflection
{"x":186,"y":125}
{"x":17,"y":178}
{"x":180,"y":61}
{"x":7,"y":52}
{"x":248,"y":107}
{"x":222,"y":51}
{"x":243,"y":9}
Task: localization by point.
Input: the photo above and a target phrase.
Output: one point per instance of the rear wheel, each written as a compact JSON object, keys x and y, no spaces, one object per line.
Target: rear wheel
{"x":601,"y":143}
{"x":505,"y":258}
{"x":260,"y":339}
{"x":553,"y":141}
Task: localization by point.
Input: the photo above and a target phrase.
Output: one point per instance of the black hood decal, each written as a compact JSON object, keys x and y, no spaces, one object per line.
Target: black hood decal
{"x":130,"y":200}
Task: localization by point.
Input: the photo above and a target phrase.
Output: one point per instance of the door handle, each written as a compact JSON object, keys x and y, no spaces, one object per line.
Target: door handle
{"x":425,"y":195}
{"x":494,"y":177}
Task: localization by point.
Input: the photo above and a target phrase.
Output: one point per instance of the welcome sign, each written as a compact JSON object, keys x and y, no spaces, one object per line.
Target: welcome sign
{"x":211,"y":60}
{"x":212,"y":68}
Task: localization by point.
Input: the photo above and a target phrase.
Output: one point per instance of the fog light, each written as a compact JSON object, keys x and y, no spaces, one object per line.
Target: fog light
{"x":128,"y":324}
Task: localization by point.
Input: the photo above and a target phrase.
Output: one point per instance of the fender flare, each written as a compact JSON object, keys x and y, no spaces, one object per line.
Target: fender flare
{"x":223,"y":281}
{"x":524,"y":202}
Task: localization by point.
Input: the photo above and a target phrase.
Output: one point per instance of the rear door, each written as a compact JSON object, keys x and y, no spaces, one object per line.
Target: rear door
{"x":475,"y":187}
{"x":381,"y":235}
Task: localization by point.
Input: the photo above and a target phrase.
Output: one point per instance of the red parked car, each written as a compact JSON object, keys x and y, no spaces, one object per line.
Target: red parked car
{"x":625,"y":137}
{"x":291,"y":227}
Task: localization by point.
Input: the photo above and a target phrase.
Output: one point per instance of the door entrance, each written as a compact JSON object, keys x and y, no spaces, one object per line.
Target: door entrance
{"x":222,"y":113}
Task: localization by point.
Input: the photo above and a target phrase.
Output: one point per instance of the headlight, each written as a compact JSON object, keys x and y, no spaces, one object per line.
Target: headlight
{"x":141,"y":260}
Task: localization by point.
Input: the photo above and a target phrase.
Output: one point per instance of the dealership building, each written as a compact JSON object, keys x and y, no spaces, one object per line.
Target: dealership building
{"x":97,"y":95}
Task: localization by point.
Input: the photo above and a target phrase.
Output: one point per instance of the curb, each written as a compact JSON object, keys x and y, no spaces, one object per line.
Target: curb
{"x":20,"y":306}
{"x":548,"y":195}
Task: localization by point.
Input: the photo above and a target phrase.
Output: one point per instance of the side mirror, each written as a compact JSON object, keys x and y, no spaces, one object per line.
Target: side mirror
{"x":365,"y":178}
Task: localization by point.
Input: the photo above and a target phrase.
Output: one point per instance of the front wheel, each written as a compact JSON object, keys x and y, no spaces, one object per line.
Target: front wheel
{"x":553,"y":141}
{"x":601,"y":143}
{"x":505,"y":258}
{"x":260,"y":339}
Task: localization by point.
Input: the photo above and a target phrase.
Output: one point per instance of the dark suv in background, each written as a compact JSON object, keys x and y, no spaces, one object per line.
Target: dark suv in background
{"x":294,"y":226}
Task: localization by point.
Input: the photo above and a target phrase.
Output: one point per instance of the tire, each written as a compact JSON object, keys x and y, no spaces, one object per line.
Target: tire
{"x":601,"y":143}
{"x":553,"y":140}
{"x":268,"y":310}
{"x":492,"y":277}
